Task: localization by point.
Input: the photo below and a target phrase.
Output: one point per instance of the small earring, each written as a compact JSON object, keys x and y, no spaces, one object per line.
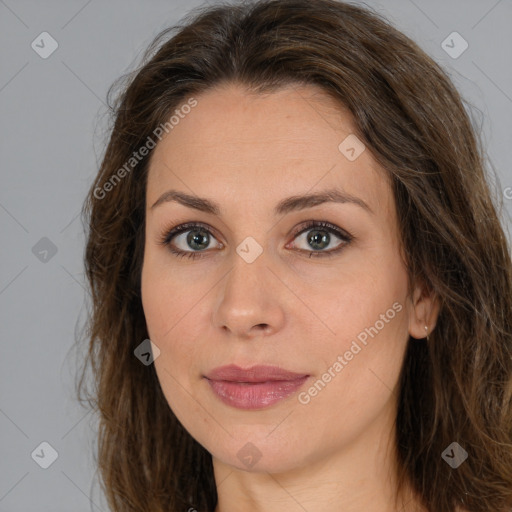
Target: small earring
{"x":426,"y":330}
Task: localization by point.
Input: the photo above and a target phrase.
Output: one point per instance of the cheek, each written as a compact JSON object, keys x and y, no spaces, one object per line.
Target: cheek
{"x":164,"y":303}
{"x":361,"y":363}
{"x":366,"y":310}
{"x":168,"y":313}
{"x":175,"y":315}
{"x":364,"y":295}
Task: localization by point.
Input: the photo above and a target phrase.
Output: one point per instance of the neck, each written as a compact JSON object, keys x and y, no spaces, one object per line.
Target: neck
{"x":360,"y":477}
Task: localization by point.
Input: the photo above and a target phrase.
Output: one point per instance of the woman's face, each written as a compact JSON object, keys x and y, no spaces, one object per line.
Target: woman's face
{"x":266,"y":288}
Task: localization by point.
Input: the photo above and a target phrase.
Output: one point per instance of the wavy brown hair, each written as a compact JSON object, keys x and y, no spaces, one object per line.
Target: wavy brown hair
{"x":457,"y":386}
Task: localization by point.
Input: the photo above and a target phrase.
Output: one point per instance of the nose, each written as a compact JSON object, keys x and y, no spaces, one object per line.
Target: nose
{"x":249,"y":300}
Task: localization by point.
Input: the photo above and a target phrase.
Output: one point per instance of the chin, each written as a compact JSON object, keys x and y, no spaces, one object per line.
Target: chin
{"x":262,"y":455}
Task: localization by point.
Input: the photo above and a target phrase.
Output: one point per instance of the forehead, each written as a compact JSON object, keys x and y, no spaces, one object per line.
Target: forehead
{"x":237,"y":146}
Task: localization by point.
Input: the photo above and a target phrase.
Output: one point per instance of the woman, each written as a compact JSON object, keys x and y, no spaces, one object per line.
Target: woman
{"x":302,"y":293}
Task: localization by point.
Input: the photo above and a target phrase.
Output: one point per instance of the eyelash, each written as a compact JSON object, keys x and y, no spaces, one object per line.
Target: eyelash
{"x":169,"y":234}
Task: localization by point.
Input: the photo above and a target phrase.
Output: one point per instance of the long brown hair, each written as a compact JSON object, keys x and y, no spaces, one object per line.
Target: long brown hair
{"x":455,"y":387}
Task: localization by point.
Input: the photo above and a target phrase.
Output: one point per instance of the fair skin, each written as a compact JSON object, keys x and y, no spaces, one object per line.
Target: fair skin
{"x":248,"y":152}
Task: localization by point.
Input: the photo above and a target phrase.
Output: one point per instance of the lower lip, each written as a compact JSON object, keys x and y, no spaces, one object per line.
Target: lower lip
{"x":255,"y":395}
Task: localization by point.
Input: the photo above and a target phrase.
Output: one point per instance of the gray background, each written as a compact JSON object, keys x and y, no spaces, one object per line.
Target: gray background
{"x":53,"y":133}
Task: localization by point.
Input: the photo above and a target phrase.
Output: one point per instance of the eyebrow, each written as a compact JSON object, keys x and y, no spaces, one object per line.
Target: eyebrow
{"x":293,"y":203}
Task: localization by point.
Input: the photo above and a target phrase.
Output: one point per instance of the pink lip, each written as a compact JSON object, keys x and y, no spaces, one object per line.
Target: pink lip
{"x":255,"y":387}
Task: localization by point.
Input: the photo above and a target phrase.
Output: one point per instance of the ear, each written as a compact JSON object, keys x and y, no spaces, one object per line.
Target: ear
{"x":423,"y":311}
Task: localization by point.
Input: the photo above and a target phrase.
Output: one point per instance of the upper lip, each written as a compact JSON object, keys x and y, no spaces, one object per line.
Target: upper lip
{"x":261,"y":373}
